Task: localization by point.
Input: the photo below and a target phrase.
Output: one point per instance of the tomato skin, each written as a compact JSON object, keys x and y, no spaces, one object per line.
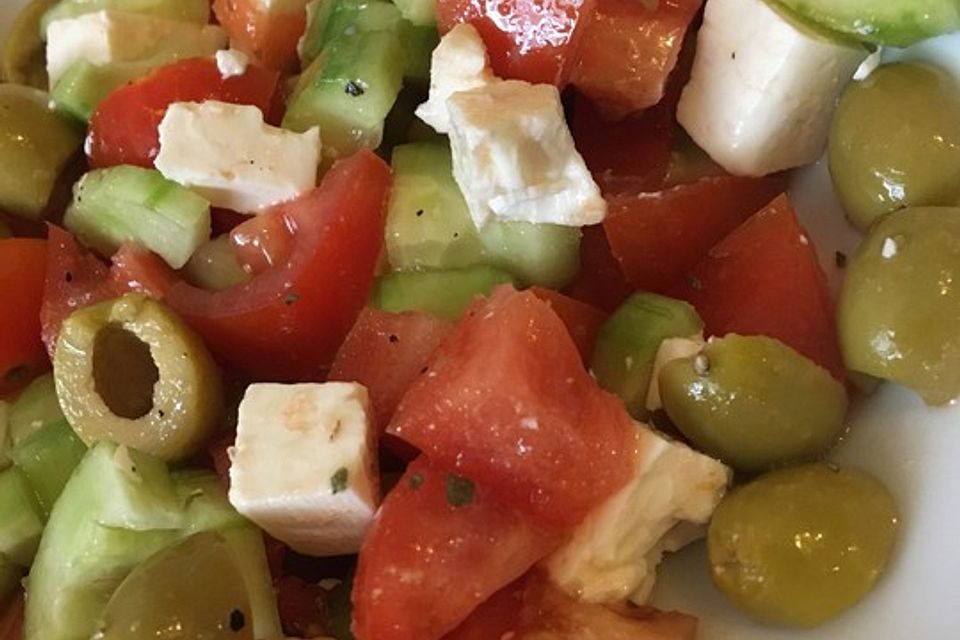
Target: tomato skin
{"x":658,"y":237}
{"x":134,"y":268}
{"x":426,"y":564}
{"x":123,"y":129}
{"x":600,"y":282}
{"x":508,"y":403}
{"x":287,"y":322}
{"x":532,"y":40}
{"x":269,"y":38}
{"x":22,"y":268}
{"x":581,"y":319}
{"x":533,"y":608}
{"x":387,"y":352}
{"x":628,"y":50}
{"x":764,"y":279}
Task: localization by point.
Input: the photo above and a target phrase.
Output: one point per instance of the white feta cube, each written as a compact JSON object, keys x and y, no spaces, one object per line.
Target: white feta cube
{"x":227,"y":154}
{"x":303,"y":467}
{"x":115,"y":36}
{"x":514,"y":157}
{"x":459,"y":63}
{"x":762,"y":91}
{"x":670,"y":349}
{"x":614,"y":553}
{"x":231,"y":63}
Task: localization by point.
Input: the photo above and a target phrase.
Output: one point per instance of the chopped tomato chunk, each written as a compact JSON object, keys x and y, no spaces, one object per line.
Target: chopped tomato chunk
{"x":508,"y":403}
{"x":270,"y":37}
{"x":600,"y":282}
{"x":439,"y":547}
{"x":22,"y":264}
{"x":764,"y":279}
{"x":658,"y":237}
{"x":582,"y":320}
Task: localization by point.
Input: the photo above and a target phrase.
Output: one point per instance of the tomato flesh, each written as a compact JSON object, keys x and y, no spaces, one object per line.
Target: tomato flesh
{"x":764,"y":279}
{"x":581,"y":319}
{"x":431,"y":557}
{"x":123,"y":129}
{"x":508,"y":403}
{"x":22,"y":357}
{"x":600,"y":282}
{"x":269,"y":37}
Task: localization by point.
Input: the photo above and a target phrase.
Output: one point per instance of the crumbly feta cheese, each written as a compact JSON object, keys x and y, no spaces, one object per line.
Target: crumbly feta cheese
{"x":231,"y":62}
{"x":514,"y":157}
{"x":228,"y":155}
{"x":762,"y":92}
{"x":459,"y":63}
{"x":116,"y":36}
{"x":304,"y":464}
{"x":670,"y":349}
{"x":614,"y":553}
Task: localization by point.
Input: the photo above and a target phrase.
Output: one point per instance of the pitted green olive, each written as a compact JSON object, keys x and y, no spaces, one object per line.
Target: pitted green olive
{"x":754,"y":402}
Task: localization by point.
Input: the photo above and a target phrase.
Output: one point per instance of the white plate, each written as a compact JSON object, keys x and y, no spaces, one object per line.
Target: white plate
{"x":915,"y":450}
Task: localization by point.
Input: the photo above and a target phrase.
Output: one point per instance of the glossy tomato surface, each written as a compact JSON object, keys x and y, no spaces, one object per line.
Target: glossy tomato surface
{"x":22,"y":264}
{"x":269,"y":36}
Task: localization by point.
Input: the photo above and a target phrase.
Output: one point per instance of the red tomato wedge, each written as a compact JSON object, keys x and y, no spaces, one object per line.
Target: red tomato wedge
{"x":532,"y":40}
{"x":582,"y":320}
{"x":600,"y":282}
{"x":269,"y":37}
{"x":136,"y":269}
{"x":764,"y":279}
{"x":123,"y":129}
{"x":288,"y":321}
{"x":533,"y":609}
{"x":508,"y":403}
{"x":658,"y":237}
{"x":22,"y":266}
{"x":387,"y":352}
{"x":437,"y":549}
{"x":628,"y":50}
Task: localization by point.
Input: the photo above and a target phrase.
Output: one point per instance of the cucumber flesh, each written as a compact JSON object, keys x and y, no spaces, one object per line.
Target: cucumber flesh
{"x":443,"y":293}
{"x":421,"y":13}
{"x":214,"y":266}
{"x":47,"y":459}
{"x":35,"y":407}
{"x":332,"y":19}
{"x":195,"y":11}
{"x":897,"y":23}
{"x":627,"y":344}
{"x":419,"y":43}
{"x":131,"y":204}
{"x":543,"y":254}
{"x":20,"y":521}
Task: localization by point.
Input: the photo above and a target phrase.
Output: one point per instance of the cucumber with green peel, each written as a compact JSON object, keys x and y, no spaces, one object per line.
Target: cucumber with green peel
{"x":422,"y":13}
{"x":348,"y":92}
{"x":331,"y":19}
{"x":542,"y":254}
{"x":627,"y":344}
{"x":443,"y":293}
{"x":195,"y":11}
{"x":419,"y":43}
{"x":20,"y":518}
{"x":898,"y":23}
{"x":47,"y":459}
{"x":131,"y":204}
{"x":36,"y":407}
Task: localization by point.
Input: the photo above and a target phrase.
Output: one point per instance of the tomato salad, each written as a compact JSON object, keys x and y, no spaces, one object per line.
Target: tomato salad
{"x":447,"y":320}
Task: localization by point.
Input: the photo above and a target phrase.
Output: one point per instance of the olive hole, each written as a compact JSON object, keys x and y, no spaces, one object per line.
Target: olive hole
{"x":124,"y":372}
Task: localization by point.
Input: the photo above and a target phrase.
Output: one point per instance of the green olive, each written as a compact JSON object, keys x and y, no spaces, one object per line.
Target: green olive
{"x":899,"y":311}
{"x":129,"y":370}
{"x":36,"y":143}
{"x":754,"y":402}
{"x":799,"y":546}
{"x":24,"y":54}
{"x":193,"y":589}
{"x":895,"y":142}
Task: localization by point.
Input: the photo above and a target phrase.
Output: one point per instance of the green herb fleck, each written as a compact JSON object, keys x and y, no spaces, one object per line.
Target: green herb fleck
{"x":459,"y":491}
{"x":338,"y":481}
{"x":416,"y":481}
{"x":291,"y":298}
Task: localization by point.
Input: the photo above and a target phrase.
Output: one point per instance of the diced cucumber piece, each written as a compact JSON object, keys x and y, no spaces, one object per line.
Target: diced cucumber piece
{"x":47,"y":459}
{"x":214,"y":266}
{"x":419,"y":43}
{"x":5,"y":442}
{"x":421,"y":13}
{"x":83,"y":85}
{"x":20,"y":520}
{"x":131,"y":204}
{"x":335,"y":18}
{"x":205,"y":501}
{"x":897,"y":23}
{"x":428,"y":226}
{"x":348,"y":92}
{"x":543,"y":254}
{"x":10,"y":575}
{"x":196,"y":11}
{"x":36,"y":407}
{"x":628,"y":341}
{"x":443,"y":293}
{"x":82,"y":558}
